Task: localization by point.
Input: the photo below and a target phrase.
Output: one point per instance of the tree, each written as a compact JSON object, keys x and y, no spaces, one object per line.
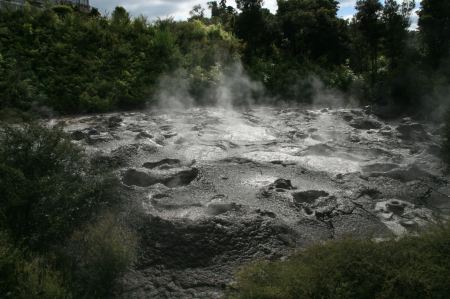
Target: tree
{"x":256,"y":26}
{"x":369,"y":26}
{"x":434,"y":25}
{"x":313,"y":30}
{"x":120,"y":16}
{"x":197,"y":13}
{"x":247,"y":5}
{"x":396,"y":21}
{"x":223,"y":14}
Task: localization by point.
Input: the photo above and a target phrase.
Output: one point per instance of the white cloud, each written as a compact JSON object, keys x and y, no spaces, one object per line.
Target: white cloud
{"x":347,"y":3}
{"x":179,"y":9}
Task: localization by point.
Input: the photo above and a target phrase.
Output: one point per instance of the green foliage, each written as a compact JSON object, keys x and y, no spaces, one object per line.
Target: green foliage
{"x":100,"y":253}
{"x":434,"y":25}
{"x":55,"y":239}
{"x":446,"y":142}
{"x":313,"y":31}
{"x":75,"y":62}
{"x":27,"y":278}
{"x":412,"y":267}
{"x":47,"y":189}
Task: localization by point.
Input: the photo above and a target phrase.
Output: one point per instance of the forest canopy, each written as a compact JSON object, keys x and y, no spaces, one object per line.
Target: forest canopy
{"x":70,"y":61}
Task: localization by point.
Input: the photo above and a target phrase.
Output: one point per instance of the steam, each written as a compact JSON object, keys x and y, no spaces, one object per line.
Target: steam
{"x":173,"y":92}
{"x":236,"y":88}
{"x":226,"y":88}
{"x":325,"y":97}
{"x":231,"y":87}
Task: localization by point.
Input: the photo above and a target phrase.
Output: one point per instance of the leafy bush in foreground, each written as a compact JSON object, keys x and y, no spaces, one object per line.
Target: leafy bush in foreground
{"x":55,"y":239}
{"x":21,"y":278}
{"x":412,"y":267}
{"x":47,"y":188}
{"x":100,"y":253}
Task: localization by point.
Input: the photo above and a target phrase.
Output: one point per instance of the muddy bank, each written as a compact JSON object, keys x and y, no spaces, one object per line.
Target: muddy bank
{"x":218,"y":188}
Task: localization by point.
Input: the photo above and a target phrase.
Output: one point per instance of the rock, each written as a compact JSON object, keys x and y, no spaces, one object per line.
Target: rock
{"x":92,"y":131}
{"x":395,"y":206}
{"x":412,"y":131}
{"x":180,"y":140}
{"x":144,"y":135}
{"x":102,"y":138}
{"x":78,"y":135}
{"x":300,"y":135}
{"x":409,"y":224}
{"x":114,"y":121}
{"x":237,"y":160}
{"x":354,"y":139}
{"x":317,"y":137}
{"x":282,"y":184}
{"x":379,"y":167}
{"x":308,"y":196}
{"x":372,"y":193}
{"x":221,"y":208}
{"x":264,"y":213}
{"x":159,"y":140}
{"x":169,"y":134}
{"x":406,"y":120}
{"x":347,"y":117}
{"x":365,"y":124}
{"x":320,"y":149}
{"x":405,"y":174}
{"x":386,"y":133}
{"x":357,"y":112}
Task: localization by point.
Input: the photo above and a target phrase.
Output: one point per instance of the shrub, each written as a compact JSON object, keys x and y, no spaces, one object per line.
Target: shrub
{"x":50,"y":199}
{"x":47,"y":188}
{"x":25,"y":279}
{"x":446,"y":142}
{"x":412,"y":267}
{"x":100,"y":253}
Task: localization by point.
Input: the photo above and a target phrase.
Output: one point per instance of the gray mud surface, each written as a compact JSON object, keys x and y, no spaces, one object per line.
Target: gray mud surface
{"x":218,"y":188}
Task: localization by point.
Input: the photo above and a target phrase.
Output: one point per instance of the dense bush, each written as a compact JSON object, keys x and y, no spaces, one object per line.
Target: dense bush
{"x":412,"y":267}
{"x":75,"y":62}
{"x":55,"y":239}
{"x":24,"y":277}
{"x":46,"y":186}
{"x":99,"y":254}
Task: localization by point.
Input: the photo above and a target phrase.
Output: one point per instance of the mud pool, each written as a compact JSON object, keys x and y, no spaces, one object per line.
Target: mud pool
{"x":218,"y":188}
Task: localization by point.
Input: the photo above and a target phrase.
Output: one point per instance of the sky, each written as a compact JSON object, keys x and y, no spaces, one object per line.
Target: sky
{"x":179,"y":9}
